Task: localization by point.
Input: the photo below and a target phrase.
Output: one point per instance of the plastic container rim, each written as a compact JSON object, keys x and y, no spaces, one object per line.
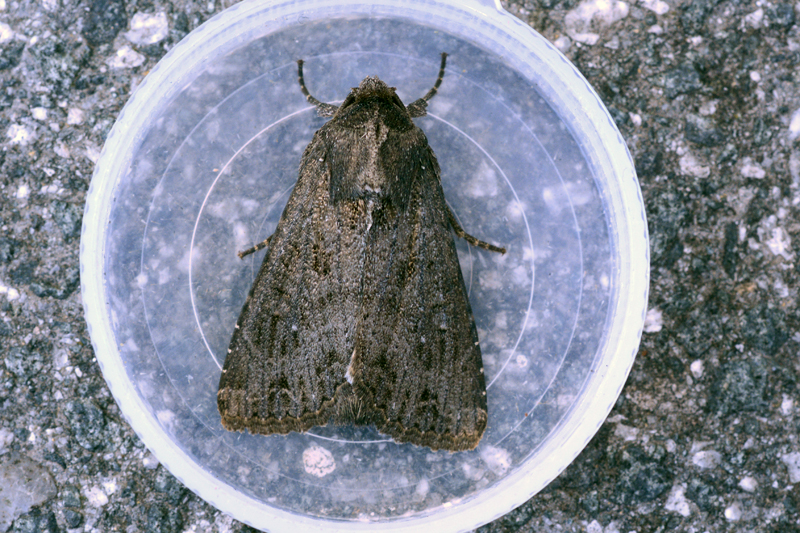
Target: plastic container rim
{"x":626,"y":318}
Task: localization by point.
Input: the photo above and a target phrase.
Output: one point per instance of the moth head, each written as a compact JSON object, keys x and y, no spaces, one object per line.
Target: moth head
{"x":372,"y":88}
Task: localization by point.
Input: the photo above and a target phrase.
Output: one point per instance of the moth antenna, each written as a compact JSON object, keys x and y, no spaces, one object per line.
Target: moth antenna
{"x":323,"y":109}
{"x":438,"y":83}
{"x":417,"y":108}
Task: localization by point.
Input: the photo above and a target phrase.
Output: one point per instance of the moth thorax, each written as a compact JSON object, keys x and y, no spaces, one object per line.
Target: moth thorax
{"x":371,"y":178}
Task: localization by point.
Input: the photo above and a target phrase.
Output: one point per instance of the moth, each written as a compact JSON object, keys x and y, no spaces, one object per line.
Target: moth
{"x":359,"y":314}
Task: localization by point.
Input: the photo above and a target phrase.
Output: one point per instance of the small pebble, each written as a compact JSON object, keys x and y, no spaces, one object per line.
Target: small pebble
{"x":659,"y":7}
{"x":754,"y":19}
{"x":748,"y":484}
{"x":787,"y":405}
{"x":24,"y":484}
{"x":563,"y":43}
{"x":751,"y":169}
{"x":697,"y":369}
{"x":96,"y":497}
{"x":148,"y":28}
{"x":579,"y":20}
{"x":150,"y":462}
{"x":792,"y":462}
{"x":794,"y":125}
{"x":18,"y":134}
{"x":6,"y":438}
{"x":126,"y":57}
{"x":677,"y":503}
{"x":692,"y":166}
{"x":706,"y":459}
{"x":733,"y":512}
{"x":6,"y":33}
{"x":653,"y":321}
{"x":75,"y":116}
{"x":779,"y":243}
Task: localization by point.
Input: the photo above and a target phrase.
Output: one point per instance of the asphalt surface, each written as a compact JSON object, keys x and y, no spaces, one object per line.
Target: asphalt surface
{"x":704,"y":435}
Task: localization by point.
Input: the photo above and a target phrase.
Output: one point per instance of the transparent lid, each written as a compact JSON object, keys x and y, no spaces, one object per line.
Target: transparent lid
{"x":200,"y":165}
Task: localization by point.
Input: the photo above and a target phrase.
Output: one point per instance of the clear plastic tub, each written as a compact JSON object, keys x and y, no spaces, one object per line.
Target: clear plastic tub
{"x":199,"y":166}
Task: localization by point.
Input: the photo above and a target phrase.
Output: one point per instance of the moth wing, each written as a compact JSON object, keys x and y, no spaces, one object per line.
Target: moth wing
{"x":295,"y":334}
{"x":417,"y":363}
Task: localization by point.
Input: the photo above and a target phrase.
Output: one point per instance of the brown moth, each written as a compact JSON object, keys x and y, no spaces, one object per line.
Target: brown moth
{"x":359,"y":314}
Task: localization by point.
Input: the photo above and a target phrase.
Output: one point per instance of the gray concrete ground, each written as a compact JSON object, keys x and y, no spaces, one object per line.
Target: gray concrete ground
{"x":704,"y":436}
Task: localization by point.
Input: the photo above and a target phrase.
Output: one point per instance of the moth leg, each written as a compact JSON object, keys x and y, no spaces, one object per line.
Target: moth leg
{"x":260,"y":246}
{"x":459,"y":231}
{"x":418,"y":108}
{"x":323,"y":109}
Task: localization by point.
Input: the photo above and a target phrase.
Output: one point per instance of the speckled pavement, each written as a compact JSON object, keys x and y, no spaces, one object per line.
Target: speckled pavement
{"x":705,"y":434}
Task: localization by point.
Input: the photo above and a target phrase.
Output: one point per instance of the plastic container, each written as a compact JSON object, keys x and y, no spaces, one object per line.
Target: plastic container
{"x":199,"y":166}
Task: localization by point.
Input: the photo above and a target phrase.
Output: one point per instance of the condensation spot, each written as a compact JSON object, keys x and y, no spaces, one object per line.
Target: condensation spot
{"x":497,"y":459}
{"x":318,"y":461}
